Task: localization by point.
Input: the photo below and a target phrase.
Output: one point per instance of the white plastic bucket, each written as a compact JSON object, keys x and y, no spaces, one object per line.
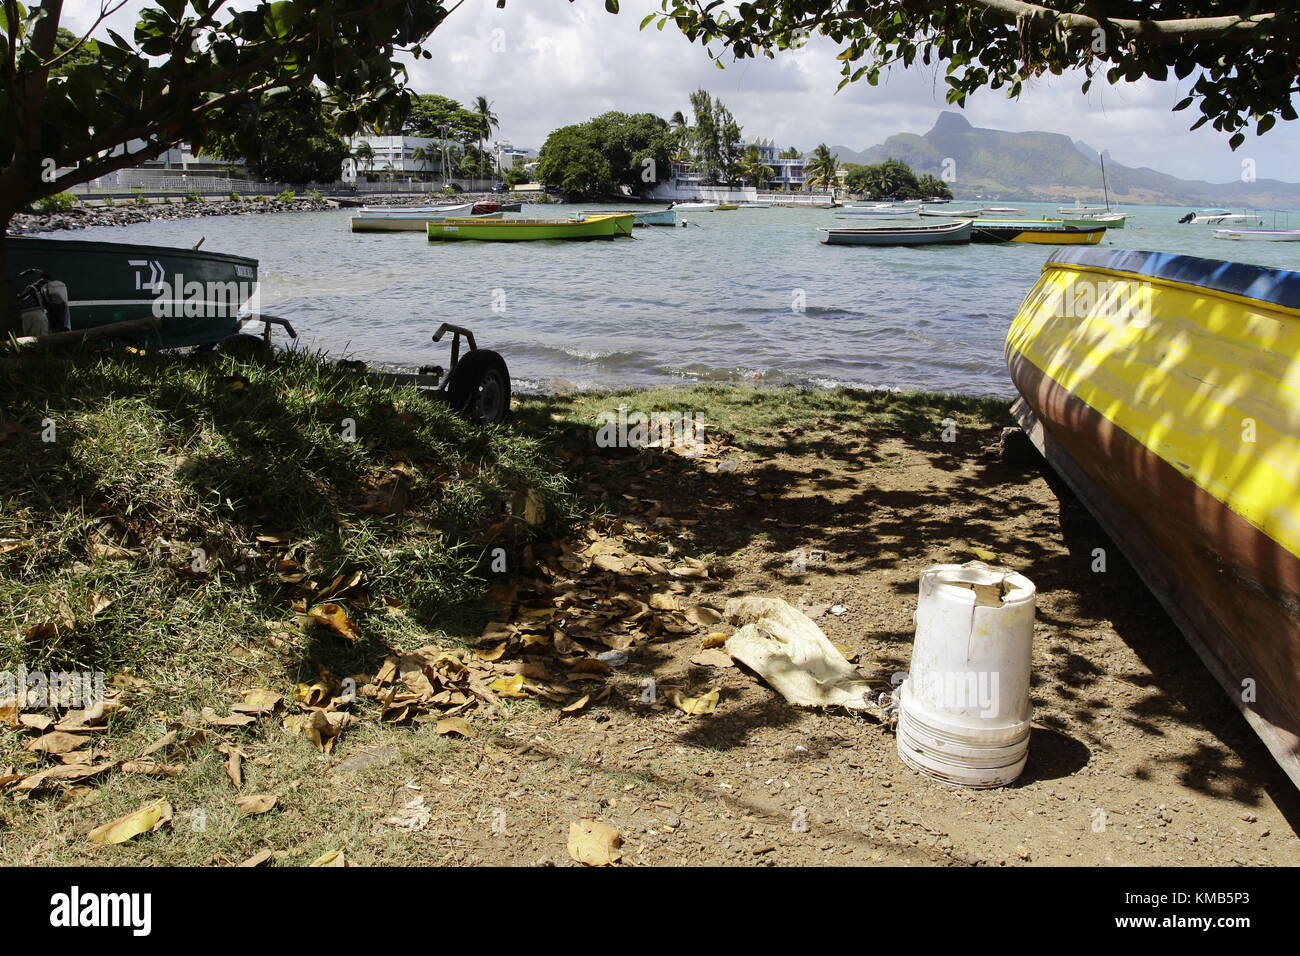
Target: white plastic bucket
{"x":963,"y":711}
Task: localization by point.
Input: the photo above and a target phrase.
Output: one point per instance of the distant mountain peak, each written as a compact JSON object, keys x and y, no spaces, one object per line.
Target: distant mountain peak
{"x":992,"y":163}
{"x":950,"y":121}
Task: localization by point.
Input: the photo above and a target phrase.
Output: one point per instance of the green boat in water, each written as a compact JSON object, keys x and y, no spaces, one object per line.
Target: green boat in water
{"x":197,"y":296}
{"x":522,"y":230}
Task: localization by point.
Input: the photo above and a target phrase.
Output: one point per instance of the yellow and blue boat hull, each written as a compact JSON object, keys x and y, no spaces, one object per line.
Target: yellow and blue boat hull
{"x":1166,"y":392}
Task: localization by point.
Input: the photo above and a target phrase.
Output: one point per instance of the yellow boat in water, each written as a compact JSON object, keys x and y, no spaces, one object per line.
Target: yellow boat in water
{"x":1166,"y":392}
{"x":519,"y":230}
{"x":1044,"y":231}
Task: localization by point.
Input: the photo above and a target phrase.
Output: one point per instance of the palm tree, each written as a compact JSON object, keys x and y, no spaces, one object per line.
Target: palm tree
{"x":487,"y":123}
{"x":365,"y":153}
{"x":752,"y":169}
{"x":790,"y":153}
{"x":421,"y":157}
{"x":823,"y":168}
{"x":681,"y":130}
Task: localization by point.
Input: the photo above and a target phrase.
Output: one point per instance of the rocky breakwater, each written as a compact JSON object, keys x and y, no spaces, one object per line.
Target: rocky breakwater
{"x":126,"y":212}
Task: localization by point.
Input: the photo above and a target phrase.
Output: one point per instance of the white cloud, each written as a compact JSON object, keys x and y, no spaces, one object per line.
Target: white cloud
{"x":548,"y":64}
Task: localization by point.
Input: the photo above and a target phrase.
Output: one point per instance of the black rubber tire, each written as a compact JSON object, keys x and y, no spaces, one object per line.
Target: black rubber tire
{"x":479,"y":386}
{"x":241,"y":345}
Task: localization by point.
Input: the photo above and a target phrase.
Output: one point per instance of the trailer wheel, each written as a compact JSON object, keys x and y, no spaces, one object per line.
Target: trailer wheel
{"x":479,"y":386}
{"x":246,"y":347}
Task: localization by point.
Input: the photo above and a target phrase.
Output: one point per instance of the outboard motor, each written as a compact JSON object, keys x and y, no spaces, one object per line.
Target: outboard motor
{"x":1188,"y":218}
{"x":44,"y":305}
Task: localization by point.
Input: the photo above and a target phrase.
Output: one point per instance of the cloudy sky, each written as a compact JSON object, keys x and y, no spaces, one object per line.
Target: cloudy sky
{"x":548,"y":63}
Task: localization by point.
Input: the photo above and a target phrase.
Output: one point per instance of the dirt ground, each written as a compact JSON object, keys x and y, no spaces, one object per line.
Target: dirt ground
{"x":1136,"y":756}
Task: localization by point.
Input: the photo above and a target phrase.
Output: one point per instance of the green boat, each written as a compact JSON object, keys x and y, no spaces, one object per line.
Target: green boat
{"x":521,"y":230}
{"x":196,"y":296}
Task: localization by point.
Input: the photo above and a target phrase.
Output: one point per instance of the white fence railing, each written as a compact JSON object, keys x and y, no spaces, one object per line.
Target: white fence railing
{"x":800,"y":199}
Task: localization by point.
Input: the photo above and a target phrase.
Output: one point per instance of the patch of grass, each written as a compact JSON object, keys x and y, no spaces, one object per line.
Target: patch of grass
{"x":767,"y":420}
{"x":201,"y":498}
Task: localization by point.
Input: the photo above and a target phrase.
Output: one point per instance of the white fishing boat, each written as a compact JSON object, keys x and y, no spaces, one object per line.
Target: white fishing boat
{"x":441,"y":209}
{"x":1258,"y":235}
{"x":1000,"y":210}
{"x":694,"y":206}
{"x":412,"y":218}
{"x":881,"y":211}
{"x":1079,"y":209}
{"x":1229,"y":219}
{"x":953,"y":213}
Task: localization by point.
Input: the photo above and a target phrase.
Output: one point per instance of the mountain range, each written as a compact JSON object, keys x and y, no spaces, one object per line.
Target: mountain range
{"x":999,"y":164}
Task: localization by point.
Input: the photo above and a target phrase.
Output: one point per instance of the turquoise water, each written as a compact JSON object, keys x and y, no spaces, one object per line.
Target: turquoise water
{"x":742,"y":296}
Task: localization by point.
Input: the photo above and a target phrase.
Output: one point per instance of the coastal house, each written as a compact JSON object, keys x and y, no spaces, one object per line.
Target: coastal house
{"x":509,"y":156}
{"x":405,"y":157}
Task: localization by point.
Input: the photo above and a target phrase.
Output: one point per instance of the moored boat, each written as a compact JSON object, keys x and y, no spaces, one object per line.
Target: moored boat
{"x":1044,"y":231}
{"x":1163,"y":390}
{"x":642,"y":217}
{"x":604,"y":226}
{"x":198,"y":296}
{"x":1111,"y":220}
{"x":728,"y":206}
{"x":415,"y":218}
{"x":953,"y":213}
{"x":920,"y":235}
{"x":1228,"y":219}
{"x":694,"y":206}
{"x":880,"y":212}
{"x":1258,"y":235}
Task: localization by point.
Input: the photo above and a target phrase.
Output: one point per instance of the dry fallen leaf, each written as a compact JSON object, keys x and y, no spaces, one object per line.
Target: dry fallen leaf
{"x":508,"y":686}
{"x":577,"y":705}
{"x":713,"y":657}
{"x":714,"y":639}
{"x":336,"y":619}
{"x":57,"y":742}
{"x":704,"y":616}
{"x":254,"y":803}
{"x":594,"y":843}
{"x":332,"y":858}
{"x":234,"y":720}
{"x":258,"y":858}
{"x":148,"y":818}
{"x":490,"y":653}
{"x":704,"y":704}
{"x":454,"y":725}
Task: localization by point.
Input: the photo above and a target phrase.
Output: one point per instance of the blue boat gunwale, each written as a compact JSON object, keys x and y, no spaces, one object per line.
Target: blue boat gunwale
{"x":1267,"y":284}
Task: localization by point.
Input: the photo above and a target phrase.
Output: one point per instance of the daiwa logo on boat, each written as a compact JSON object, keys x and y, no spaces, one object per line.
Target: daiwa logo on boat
{"x":194,"y":299}
{"x":83,"y":690}
{"x":959,"y":690}
{"x":624,"y":429}
{"x":1123,"y":301}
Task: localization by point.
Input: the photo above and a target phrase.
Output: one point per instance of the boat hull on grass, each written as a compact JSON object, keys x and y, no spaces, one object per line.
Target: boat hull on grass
{"x":198,"y":295}
{"x":523,"y":230}
{"x":1035,"y":231}
{"x":1163,"y":389}
{"x":947,"y":233}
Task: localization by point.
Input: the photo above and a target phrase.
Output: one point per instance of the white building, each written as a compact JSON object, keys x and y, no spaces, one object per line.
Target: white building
{"x":509,"y":156}
{"x":404,"y":156}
